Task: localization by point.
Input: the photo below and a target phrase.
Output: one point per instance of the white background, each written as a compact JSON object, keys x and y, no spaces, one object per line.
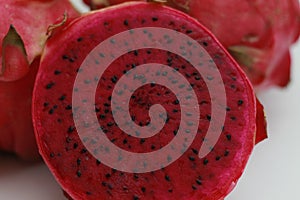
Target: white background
{"x":272,"y":173}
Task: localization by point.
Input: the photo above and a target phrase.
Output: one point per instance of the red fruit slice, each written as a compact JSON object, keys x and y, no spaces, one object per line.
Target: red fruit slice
{"x":87,"y":167}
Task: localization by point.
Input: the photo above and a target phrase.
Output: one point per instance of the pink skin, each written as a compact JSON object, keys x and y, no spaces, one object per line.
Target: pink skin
{"x":22,"y":36}
{"x":257,"y":33}
{"x":15,"y":119}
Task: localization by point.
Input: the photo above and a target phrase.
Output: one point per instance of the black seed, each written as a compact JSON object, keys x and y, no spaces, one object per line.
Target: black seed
{"x":197,"y":78}
{"x":168,"y":119}
{"x":188,"y":31}
{"x":133,"y":66}
{"x":71,"y":60}
{"x":68,"y":107}
{"x":170,"y":190}
{"x":83,"y":150}
{"x":63,"y":97}
{"x":71,"y":129}
{"x":228,"y":109}
{"x":97,"y":109}
{"x":109,"y":124}
{"x":104,"y":183}
{"x":46,"y":104}
{"x":135,"y":52}
{"x":203,"y":102}
{"x":49,"y":85}
{"x":218,"y":158}
{"x":152,"y":84}
{"x":113,"y":140}
{"x":208,"y":117}
{"x":106,"y":111}
{"x":191,"y":158}
{"x":65,"y":57}
{"x":154,"y":19}
{"x":152,"y":147}
{"x":142,"y":141}
{"x":135,"y":197}
{"x":114,"y":79}
{"x":176,"y":102}
{"x":240,"y":102}
{"x":226,"y":153}
{"x":51,"y":111}
{"x":75,"y":145}
{"x":98,"y":162}
{"x":133,"y":118}
{"x":52,"y":155}
{"x":125,"y":141}
{"x":57,"y":72}
{"x":194,"y":187}
{"x":205,"y":44}
{"x":107,"y":175}
{"x":125,"y":22}
{"x":78,"y":161}
{"x":175,"y":132}
{"x":143,"y":189}
{"x":78,"y":173}
{"x":102,"y":116}
{"x":195,"y":151}
{"x":167,"y":178}
{"x":233,"y":118}
{"x":228,"y":136}
{"x":198,"y":181}
{"x":205,"y":161}
{"x":79,"y":39}
{"x":149,"y":52}
{"x":110,"y":186}
{"x":135,"y":176}
{"x":88,"y":193}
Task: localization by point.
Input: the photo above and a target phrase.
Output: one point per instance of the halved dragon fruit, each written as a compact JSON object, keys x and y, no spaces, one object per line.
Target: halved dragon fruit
{"x":258,"y":33}
{"x":140,"y":101}
{"x":22,"y":36}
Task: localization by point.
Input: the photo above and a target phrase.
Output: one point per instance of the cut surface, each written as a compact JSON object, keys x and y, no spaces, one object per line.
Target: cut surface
{"x":80,"y":174}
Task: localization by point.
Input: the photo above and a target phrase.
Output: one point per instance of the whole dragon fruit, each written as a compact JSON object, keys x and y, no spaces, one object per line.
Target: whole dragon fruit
{"x":22,"y":36}
{"x":74,"y":108}
{"x":257,"y":33}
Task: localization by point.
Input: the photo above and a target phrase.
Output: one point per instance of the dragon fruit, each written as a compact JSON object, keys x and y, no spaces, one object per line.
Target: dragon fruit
{"x":22,"y":37}
{"x":15,"y":119}
{"x":70,"y":66}
{"x":258,"y":33}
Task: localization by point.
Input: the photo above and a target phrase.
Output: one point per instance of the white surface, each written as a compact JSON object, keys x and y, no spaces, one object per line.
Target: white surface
{"x":272,"y":173}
